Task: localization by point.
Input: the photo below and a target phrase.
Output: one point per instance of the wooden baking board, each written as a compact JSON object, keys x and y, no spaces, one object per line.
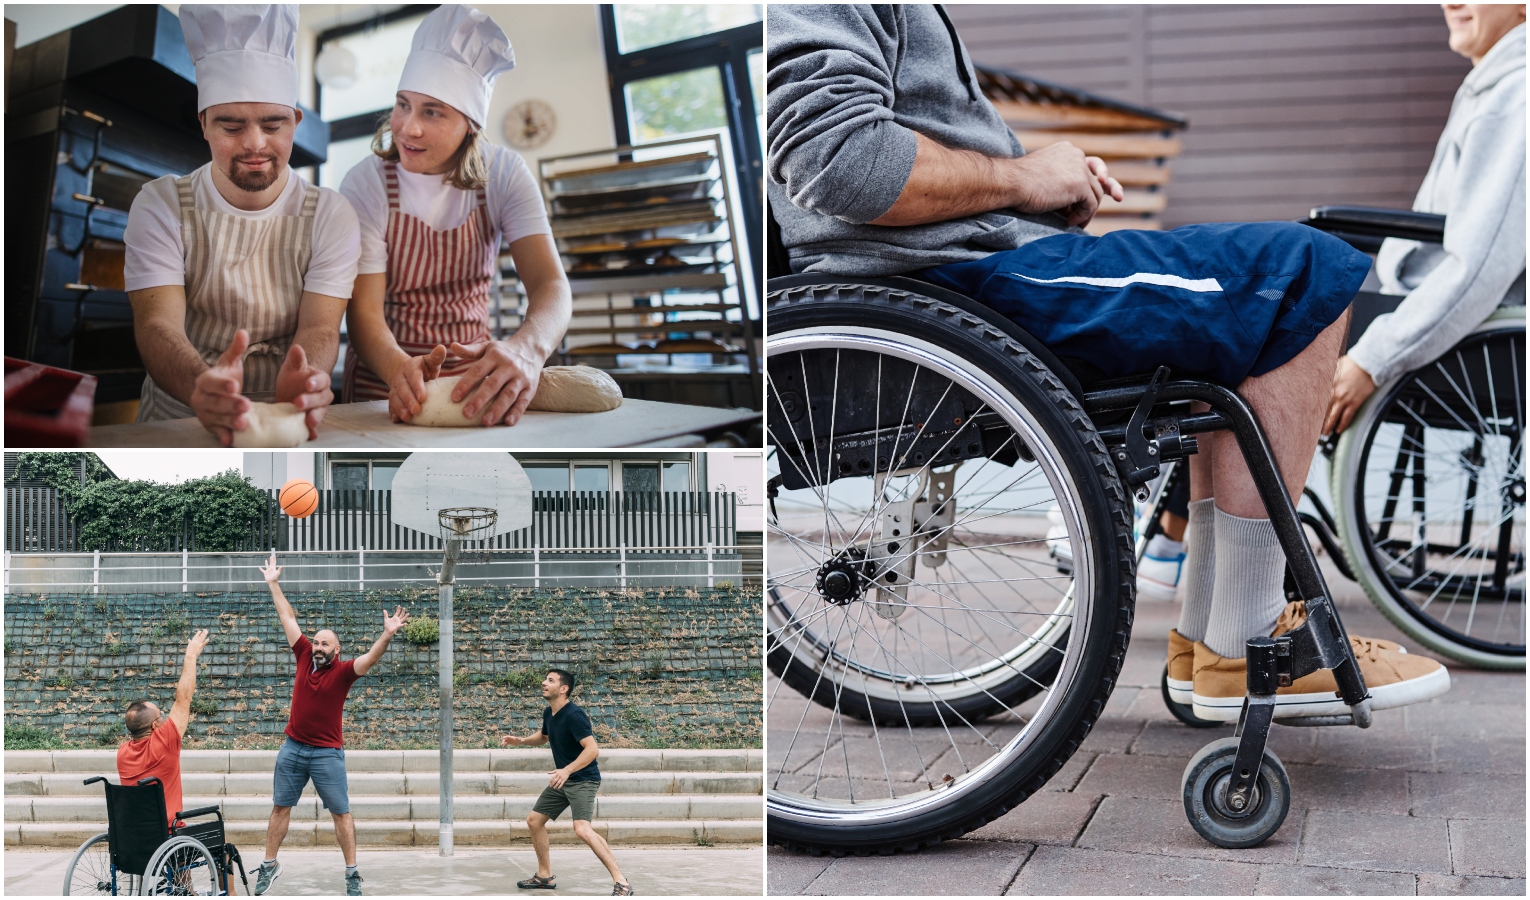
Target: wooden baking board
{"x":360,"y":425}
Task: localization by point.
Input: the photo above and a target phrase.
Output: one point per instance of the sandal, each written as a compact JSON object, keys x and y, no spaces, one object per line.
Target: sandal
{"x":621,"y":890}
{"x":537,"y":883}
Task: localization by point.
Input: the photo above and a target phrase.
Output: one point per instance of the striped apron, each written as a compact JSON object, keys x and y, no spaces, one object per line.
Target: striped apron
{"x":438,"y":288}
{"x":240,"y":273}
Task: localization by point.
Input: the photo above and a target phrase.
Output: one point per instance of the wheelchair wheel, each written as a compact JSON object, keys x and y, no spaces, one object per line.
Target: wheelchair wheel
{"x":1202,"y":789}
{"x":1429,"y":489}
{"x":90,"y":871}
{"x":181,"y":867}
{"x":932,"y":668}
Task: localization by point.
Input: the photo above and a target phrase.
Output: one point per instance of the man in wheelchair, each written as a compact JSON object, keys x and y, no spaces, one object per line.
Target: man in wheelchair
{"x":153,"y":747}
{"x":886,"y":160}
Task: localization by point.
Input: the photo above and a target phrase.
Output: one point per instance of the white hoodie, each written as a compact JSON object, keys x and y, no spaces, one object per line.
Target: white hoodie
{"x":1477,"y":181}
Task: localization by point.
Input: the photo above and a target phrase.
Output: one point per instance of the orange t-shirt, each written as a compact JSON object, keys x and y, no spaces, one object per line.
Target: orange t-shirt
{"x":156,"y":756}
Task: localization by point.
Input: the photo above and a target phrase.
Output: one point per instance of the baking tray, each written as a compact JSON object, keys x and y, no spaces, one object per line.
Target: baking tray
{"x":644,"y":197}
{"x":629,"y":174}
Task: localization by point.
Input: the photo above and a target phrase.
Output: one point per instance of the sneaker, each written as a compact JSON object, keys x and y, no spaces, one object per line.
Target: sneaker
{"x":1059,"y":547}
{"x":1393,"y":678}
{"x":1295,"y":615}
{"x":1158,"y":572}
{"x":265,"y":875}
{"x":353,"y":884}
{"x":1181,"y":667}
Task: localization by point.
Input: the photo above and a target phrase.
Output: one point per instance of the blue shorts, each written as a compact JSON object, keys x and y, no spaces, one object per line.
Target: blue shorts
{"x":297,"y":763}
{"x":1218,"y":302}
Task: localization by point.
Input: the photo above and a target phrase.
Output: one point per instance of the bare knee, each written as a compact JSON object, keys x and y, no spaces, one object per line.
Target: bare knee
{"x":584,"y":830}
{"x":281,"y":812}
{"x":536,"y":821}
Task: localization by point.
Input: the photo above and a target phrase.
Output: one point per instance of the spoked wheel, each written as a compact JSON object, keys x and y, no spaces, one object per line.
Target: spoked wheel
{"x":1429,"y":484}
{"x":181,"y":867}
{"x":932,"y":666}
{"x":90,"y":871}
{"x":1204,"y":788}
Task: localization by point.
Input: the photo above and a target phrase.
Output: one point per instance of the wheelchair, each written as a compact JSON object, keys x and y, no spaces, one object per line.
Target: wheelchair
{"x":139,"y":854}
{"x":915,"y":440}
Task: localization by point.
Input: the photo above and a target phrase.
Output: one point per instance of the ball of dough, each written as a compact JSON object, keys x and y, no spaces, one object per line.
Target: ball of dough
{"x":273,"y":425}
{"x":562,"y":389}
{"x":576,"y":389}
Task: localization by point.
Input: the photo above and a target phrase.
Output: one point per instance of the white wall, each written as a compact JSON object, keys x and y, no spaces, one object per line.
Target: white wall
{"x":269,"y":471}
{"x":35,"y":21}
{"x":743,"y":472}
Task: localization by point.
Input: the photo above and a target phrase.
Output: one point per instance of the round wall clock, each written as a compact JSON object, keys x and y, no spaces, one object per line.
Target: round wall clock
{"x":530,"y":123}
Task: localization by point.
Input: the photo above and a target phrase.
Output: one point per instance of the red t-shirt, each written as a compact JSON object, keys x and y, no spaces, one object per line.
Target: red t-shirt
{"x":318,"y":698}
{"x":156,"y":756}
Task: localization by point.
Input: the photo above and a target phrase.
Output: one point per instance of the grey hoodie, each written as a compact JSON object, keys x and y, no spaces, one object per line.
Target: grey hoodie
{"x":847,"y":88}
{"x":1477,"y":181}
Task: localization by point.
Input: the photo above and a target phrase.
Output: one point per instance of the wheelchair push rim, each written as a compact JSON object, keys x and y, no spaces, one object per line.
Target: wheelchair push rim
{"x":182,"y":867}
{"x":1430,"y":498}
{"x":90,"y":871}
{"x":964,"y":756}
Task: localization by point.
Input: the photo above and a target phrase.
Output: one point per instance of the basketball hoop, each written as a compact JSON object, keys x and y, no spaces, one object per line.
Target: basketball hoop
{"x":468,"y":525}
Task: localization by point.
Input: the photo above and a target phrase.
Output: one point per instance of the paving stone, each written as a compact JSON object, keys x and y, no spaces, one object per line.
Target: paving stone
{"x":954,"y":868}
{"x":1345,"y":840}
{"x":1442,"y":716}
{"x":1473,"y":686}
{"x":1068,"y":776}
{"x":1284,"y":881}
{"x":1356,"y":748}
{"x":1047,"y":817}
{"x":791,"y":751}
{"x":1173,"y":738}
{"x":1144,"y":661}
{"x":1481,"y":847}
{"x":1469,"y":886}
{"x":1149,"y":707}
{"x":1117,"y":775}
{"x":1074,"y":871}
{"x":1120,"y":702}
{"x":1159,"y":827}
{"x":1503,"y":754}
{"x":1464,"y":796}
{"x":788,"y":872}
{"x":1354,"y":790}
{"x":1111,"y":736}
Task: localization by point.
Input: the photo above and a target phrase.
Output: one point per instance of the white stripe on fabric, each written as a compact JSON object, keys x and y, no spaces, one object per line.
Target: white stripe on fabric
{"x":1198,"y":285}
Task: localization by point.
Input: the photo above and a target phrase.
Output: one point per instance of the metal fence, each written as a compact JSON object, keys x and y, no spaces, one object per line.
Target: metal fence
{"x":349,"y":520}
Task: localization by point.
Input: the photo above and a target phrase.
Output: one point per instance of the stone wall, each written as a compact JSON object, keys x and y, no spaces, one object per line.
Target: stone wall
{"x":657,"y":668}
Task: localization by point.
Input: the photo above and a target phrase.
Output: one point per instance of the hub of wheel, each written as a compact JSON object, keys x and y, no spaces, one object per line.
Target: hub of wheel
{"x":841,"y":580}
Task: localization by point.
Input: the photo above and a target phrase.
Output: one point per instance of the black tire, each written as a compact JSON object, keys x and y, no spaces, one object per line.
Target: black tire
{"x":1078,"y":683}
{"x":1182,"y":711}
{"x":1201,"y":789}
{"x":90,"y":870}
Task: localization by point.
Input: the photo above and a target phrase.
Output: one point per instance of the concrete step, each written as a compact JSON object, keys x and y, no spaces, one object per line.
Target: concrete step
{"x":229,"y":762}
{"x":614,"y":807}
{"x":397,"y":833}
{"x":252,"y":784}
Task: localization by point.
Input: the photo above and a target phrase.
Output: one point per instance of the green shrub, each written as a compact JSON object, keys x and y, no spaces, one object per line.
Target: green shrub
{"x":204,"y":706}
{"x":724,"y":585}
{"x":519,"y":679}
{"x":61,"y":680}
{"x":423,"y":630}
{"x":27,"y":737}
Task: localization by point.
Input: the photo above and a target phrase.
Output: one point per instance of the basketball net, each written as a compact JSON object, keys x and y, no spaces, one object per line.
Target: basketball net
{"x":469,"y":529}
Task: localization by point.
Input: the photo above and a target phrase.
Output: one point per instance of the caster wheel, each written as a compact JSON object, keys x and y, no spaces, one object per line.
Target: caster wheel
{"x":1184,"y":712}
{"x":1202,"y":787}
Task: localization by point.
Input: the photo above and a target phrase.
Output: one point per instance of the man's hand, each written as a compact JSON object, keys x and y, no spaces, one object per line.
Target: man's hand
{"x":406,"y":389}
{"x":511,"y":740}
{"x":271,"y":571}
{"x":1351,"y":386}
{"x":500,"y":385}
{"x":391,"y":624}
{"x":557,"y":777}
{"x":304,"y":386}
{"x":197,"y":644}
{"x":216,"y":397}
{"x":1060,"y":178}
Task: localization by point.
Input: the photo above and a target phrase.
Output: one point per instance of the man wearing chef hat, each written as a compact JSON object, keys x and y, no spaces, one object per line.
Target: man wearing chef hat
{"x":239,"y":273}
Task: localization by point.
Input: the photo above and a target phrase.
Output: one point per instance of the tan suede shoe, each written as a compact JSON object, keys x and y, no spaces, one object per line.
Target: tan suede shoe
{"x":1394,"y":679}
{"x":1295,"y":615}
{"x":1181,"y":667}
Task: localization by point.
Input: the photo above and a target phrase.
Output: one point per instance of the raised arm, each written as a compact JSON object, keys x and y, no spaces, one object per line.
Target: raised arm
{"x":180,"y":711}
{"x":535,"y":740}
{"x":284,"y":612}
{"x":391,"y":625}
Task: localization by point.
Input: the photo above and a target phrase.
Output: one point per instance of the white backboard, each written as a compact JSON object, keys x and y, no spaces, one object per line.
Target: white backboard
{"x":429,"y":482}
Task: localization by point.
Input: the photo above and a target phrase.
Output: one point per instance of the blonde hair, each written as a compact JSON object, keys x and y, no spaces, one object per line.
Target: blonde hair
{"x":468,"y":170}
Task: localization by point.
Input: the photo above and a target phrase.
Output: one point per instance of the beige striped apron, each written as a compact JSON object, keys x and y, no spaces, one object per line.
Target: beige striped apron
{"x":240,"y":273}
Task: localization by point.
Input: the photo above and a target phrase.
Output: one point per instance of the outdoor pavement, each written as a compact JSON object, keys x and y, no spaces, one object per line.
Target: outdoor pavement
{"x":1430,"y":800}
{"x":697,"y":870}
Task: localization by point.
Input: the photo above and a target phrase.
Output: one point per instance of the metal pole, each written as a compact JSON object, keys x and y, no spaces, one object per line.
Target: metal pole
{"x":448,"y":577}
{"x":711,"y":570}
{"x":183,"y":569}
{"x":95,"y":572}
{"x":361,"y":565}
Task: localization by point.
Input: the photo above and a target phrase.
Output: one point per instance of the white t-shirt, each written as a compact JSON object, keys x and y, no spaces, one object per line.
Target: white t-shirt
{"x":156,"y":256}
{"x":515,"y":203}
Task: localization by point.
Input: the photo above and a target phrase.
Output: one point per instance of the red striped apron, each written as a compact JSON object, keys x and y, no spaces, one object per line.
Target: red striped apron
{"x":438,"y":288}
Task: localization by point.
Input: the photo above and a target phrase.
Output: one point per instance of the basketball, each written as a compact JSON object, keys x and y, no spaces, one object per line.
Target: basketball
{"x":299,"y":498}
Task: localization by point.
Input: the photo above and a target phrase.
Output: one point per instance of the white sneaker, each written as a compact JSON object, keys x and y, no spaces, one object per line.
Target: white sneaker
{"x":1162,"y":564}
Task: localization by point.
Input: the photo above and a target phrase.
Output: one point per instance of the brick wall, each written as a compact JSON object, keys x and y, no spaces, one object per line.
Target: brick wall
{"x":657,"y":668}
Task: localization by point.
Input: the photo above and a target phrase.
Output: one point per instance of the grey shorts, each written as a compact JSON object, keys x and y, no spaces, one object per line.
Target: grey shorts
{"x":578,"y":794}
{"x":297,"y":763}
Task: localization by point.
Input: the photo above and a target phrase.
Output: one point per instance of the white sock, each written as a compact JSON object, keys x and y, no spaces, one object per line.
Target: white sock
{"x":1200,"y":568}
{"x":1250,"y":584}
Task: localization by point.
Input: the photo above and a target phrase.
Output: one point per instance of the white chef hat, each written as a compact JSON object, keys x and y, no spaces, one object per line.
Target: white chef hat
{"x":243,"y":53}
{"x":457,"y":54}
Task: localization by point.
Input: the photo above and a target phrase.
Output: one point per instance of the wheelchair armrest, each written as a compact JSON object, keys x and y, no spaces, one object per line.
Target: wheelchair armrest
{"x":1372,"y":224}
{"x":201,"y":811}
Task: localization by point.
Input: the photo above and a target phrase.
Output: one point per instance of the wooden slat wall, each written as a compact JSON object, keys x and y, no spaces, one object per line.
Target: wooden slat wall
{"x":1290,"y":107}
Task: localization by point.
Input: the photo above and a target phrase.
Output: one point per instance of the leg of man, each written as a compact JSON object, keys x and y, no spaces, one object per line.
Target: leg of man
{"x":589,"y":835}
{"x":276,"y":829}
{"x":345,"y":836}
{"x":329,"y":782}
{"x":537,"y":823}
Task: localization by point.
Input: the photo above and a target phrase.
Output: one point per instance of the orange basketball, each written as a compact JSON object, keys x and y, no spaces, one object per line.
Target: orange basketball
{"x":299,"y":498}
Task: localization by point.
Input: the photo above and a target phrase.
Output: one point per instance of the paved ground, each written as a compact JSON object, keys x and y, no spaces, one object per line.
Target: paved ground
{"x":1430,"y":800}
{"x":696,"y":870}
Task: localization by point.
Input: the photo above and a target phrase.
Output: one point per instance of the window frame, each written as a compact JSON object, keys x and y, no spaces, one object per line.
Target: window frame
{"x":728,"y":52}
